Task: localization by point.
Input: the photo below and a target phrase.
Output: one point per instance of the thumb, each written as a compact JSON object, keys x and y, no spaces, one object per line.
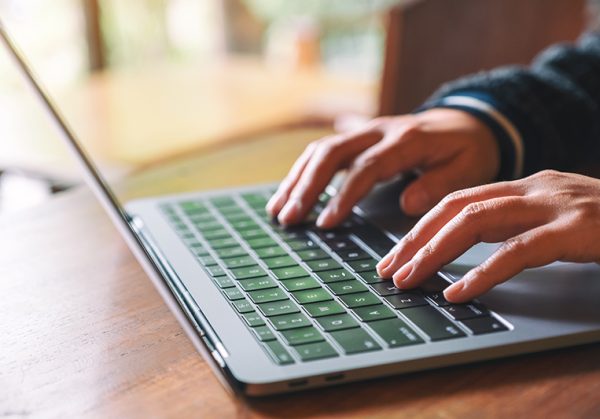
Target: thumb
{"x":428,"y":189}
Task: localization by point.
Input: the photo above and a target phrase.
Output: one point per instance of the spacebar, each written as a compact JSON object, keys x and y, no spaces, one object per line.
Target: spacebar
{"x":432,"y":322}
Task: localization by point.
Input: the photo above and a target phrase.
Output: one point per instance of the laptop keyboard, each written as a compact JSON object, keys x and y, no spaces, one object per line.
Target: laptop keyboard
{"x":308,"y":294}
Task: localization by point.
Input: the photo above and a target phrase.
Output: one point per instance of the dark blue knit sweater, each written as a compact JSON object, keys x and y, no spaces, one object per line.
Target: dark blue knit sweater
{"x":554,"y":104}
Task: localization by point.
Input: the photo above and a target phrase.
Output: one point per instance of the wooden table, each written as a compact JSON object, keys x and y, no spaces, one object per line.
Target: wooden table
{"x":84,"y":334}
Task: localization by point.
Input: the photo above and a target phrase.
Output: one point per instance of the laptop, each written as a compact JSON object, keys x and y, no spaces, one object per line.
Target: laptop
{"x":276,"y":310}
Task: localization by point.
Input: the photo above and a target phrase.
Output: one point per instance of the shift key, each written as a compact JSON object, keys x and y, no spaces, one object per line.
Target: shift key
{"x":433,"y":323}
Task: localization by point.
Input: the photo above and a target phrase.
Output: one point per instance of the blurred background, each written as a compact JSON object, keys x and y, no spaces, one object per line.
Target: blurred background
{"x":145,"y":81}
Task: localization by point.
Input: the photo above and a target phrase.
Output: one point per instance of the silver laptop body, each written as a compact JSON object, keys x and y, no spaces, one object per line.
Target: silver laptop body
{"x":550,"y":307}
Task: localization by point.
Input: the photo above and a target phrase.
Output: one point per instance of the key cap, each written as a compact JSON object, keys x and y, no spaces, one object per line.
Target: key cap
{"x":244,"y":223}
{"x":233,"y":293}
{"x":312,"y":254}
{"x":242,"y":306}
{"x":337,"y":322}
{"x":261,"y":242}
{"x":334,"y":276}
{"x":433,"y":323}
{"x":371,"y":277}
{"x":355,"y":341}
{"x":438,"y":299}
{"x":363,"y":265}
{"x":222,"y":243}
{"x":312,"y":296}
{"x":222,"y":201}
{"x":302,"y":336}
{"x":231,"y":252}
{"x":215,"y":270}
{"x":406,"y":299}
{"x":253,"y":233}
{"x":280,"y":262}
{"x":207,"y":260}
{"x":324,"y":308}
{"x":349,"y":255}
{"x":277,"y":308}
{"x":297,"y":245}
{"x":481,"y":325}
{"x":263,"y":333}
{"x":395,"y":332}
{"x":239,"y":262}
{"x":224,"y":282}
{"x":465,"y":311}
{"x":254,"y":199}
{"x":313,"y":351}
{"x":278,"y":353}
{"x":298,"y":284}
{"x":218,"y":233}
{"x":269,"y":252}
{"x":374,"y":312}
{"x":267,"y":295}
{"x":347,"y":287}
{"x":291,"y":272}
{"x":253,"y":319}
{"x":386,"y":288}
{"x":360,"y":299}
{"x":341,"y":244}
{"x":323,"y":265}
{"x":254,"y":284}
{"x":248,"y":272}
{"x":289,"y":321}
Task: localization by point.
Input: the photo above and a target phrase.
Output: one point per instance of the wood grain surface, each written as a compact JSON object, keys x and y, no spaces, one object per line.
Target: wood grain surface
{"x":84,"y":334}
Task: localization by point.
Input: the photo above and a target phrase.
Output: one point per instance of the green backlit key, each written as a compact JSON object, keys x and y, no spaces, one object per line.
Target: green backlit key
{"x":242,"y":306}
{"x":263,"y":333}
{"x":261,"y":242}
{"x":289,"y":321}
{"x":239,"y":262}
{"x":395,"y":332}
{"x":224,"y":242}
{"x":298,"y":284}
{"x":290,"y":272}
{"x":253,"y":233}
{"x":312,"y":296}
{"x":323,"y":265}
{"x":360,"y":299}
{"x":218,"y":233}
{"x":312,"y":254}
{"x":302,"y":335}
{"x":267,"y":295}
{"x":278,"y":353}
{"x":371,"y":277}
{"x":363,"y":265}
{"x":215,"y":270}
{"x":224,"y":282}
{"x":277,"y":308}
{"x":233,"y":293}
{"x":261,"y":283}
{"x":253,"y":319}
{"x":334,"y":276}
{"x":231,"y":252}
{"x":355,"y":341}
{"x":347,"y":287}
{"x":376,"y":312}
{"x":337,"y":322}
{"x":269,"y":252}
{"x":313,"y":351}
{"x":248,"y":272}
{"x":280,"y":262}
{"x":324,"y":308}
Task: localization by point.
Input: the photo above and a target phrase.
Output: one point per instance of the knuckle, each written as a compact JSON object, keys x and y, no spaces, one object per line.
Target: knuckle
{"x":474,"y":211}
{"x":425,"y":252}
{"x":513,"y":247}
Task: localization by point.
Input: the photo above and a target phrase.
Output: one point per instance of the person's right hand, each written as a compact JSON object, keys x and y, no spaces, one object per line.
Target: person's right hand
{"x":450,"y":149}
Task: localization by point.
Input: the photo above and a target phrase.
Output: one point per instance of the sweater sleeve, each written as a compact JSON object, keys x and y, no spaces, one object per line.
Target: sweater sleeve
{"x":554,"y":104}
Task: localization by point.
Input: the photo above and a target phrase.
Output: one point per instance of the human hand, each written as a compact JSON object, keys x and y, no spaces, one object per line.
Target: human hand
{"x":549,"y":216}
{"x":451,"y":149}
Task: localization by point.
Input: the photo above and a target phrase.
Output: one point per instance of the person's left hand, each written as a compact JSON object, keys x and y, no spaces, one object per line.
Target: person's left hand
{"x":549,"y":216}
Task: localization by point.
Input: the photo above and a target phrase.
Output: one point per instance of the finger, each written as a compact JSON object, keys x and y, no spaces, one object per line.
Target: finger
{"x":434,"y":184}
{"x":395,"y":153}
{"x":439,"y":216}
{"x":282,"y":194}
{"x":327,"y":159}
{"x":534,"y":248}
{"x":491,"y":221}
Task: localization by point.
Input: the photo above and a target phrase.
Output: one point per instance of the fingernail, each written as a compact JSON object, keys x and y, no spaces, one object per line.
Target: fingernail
{"x":453,"y":291}
{"x":273,"y":202}
{"x":290,"y":212}
{"x":416,"y":201}
{"x":324,"y":218}
{"x":384,"y":263}
{"x":404,"y":272}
